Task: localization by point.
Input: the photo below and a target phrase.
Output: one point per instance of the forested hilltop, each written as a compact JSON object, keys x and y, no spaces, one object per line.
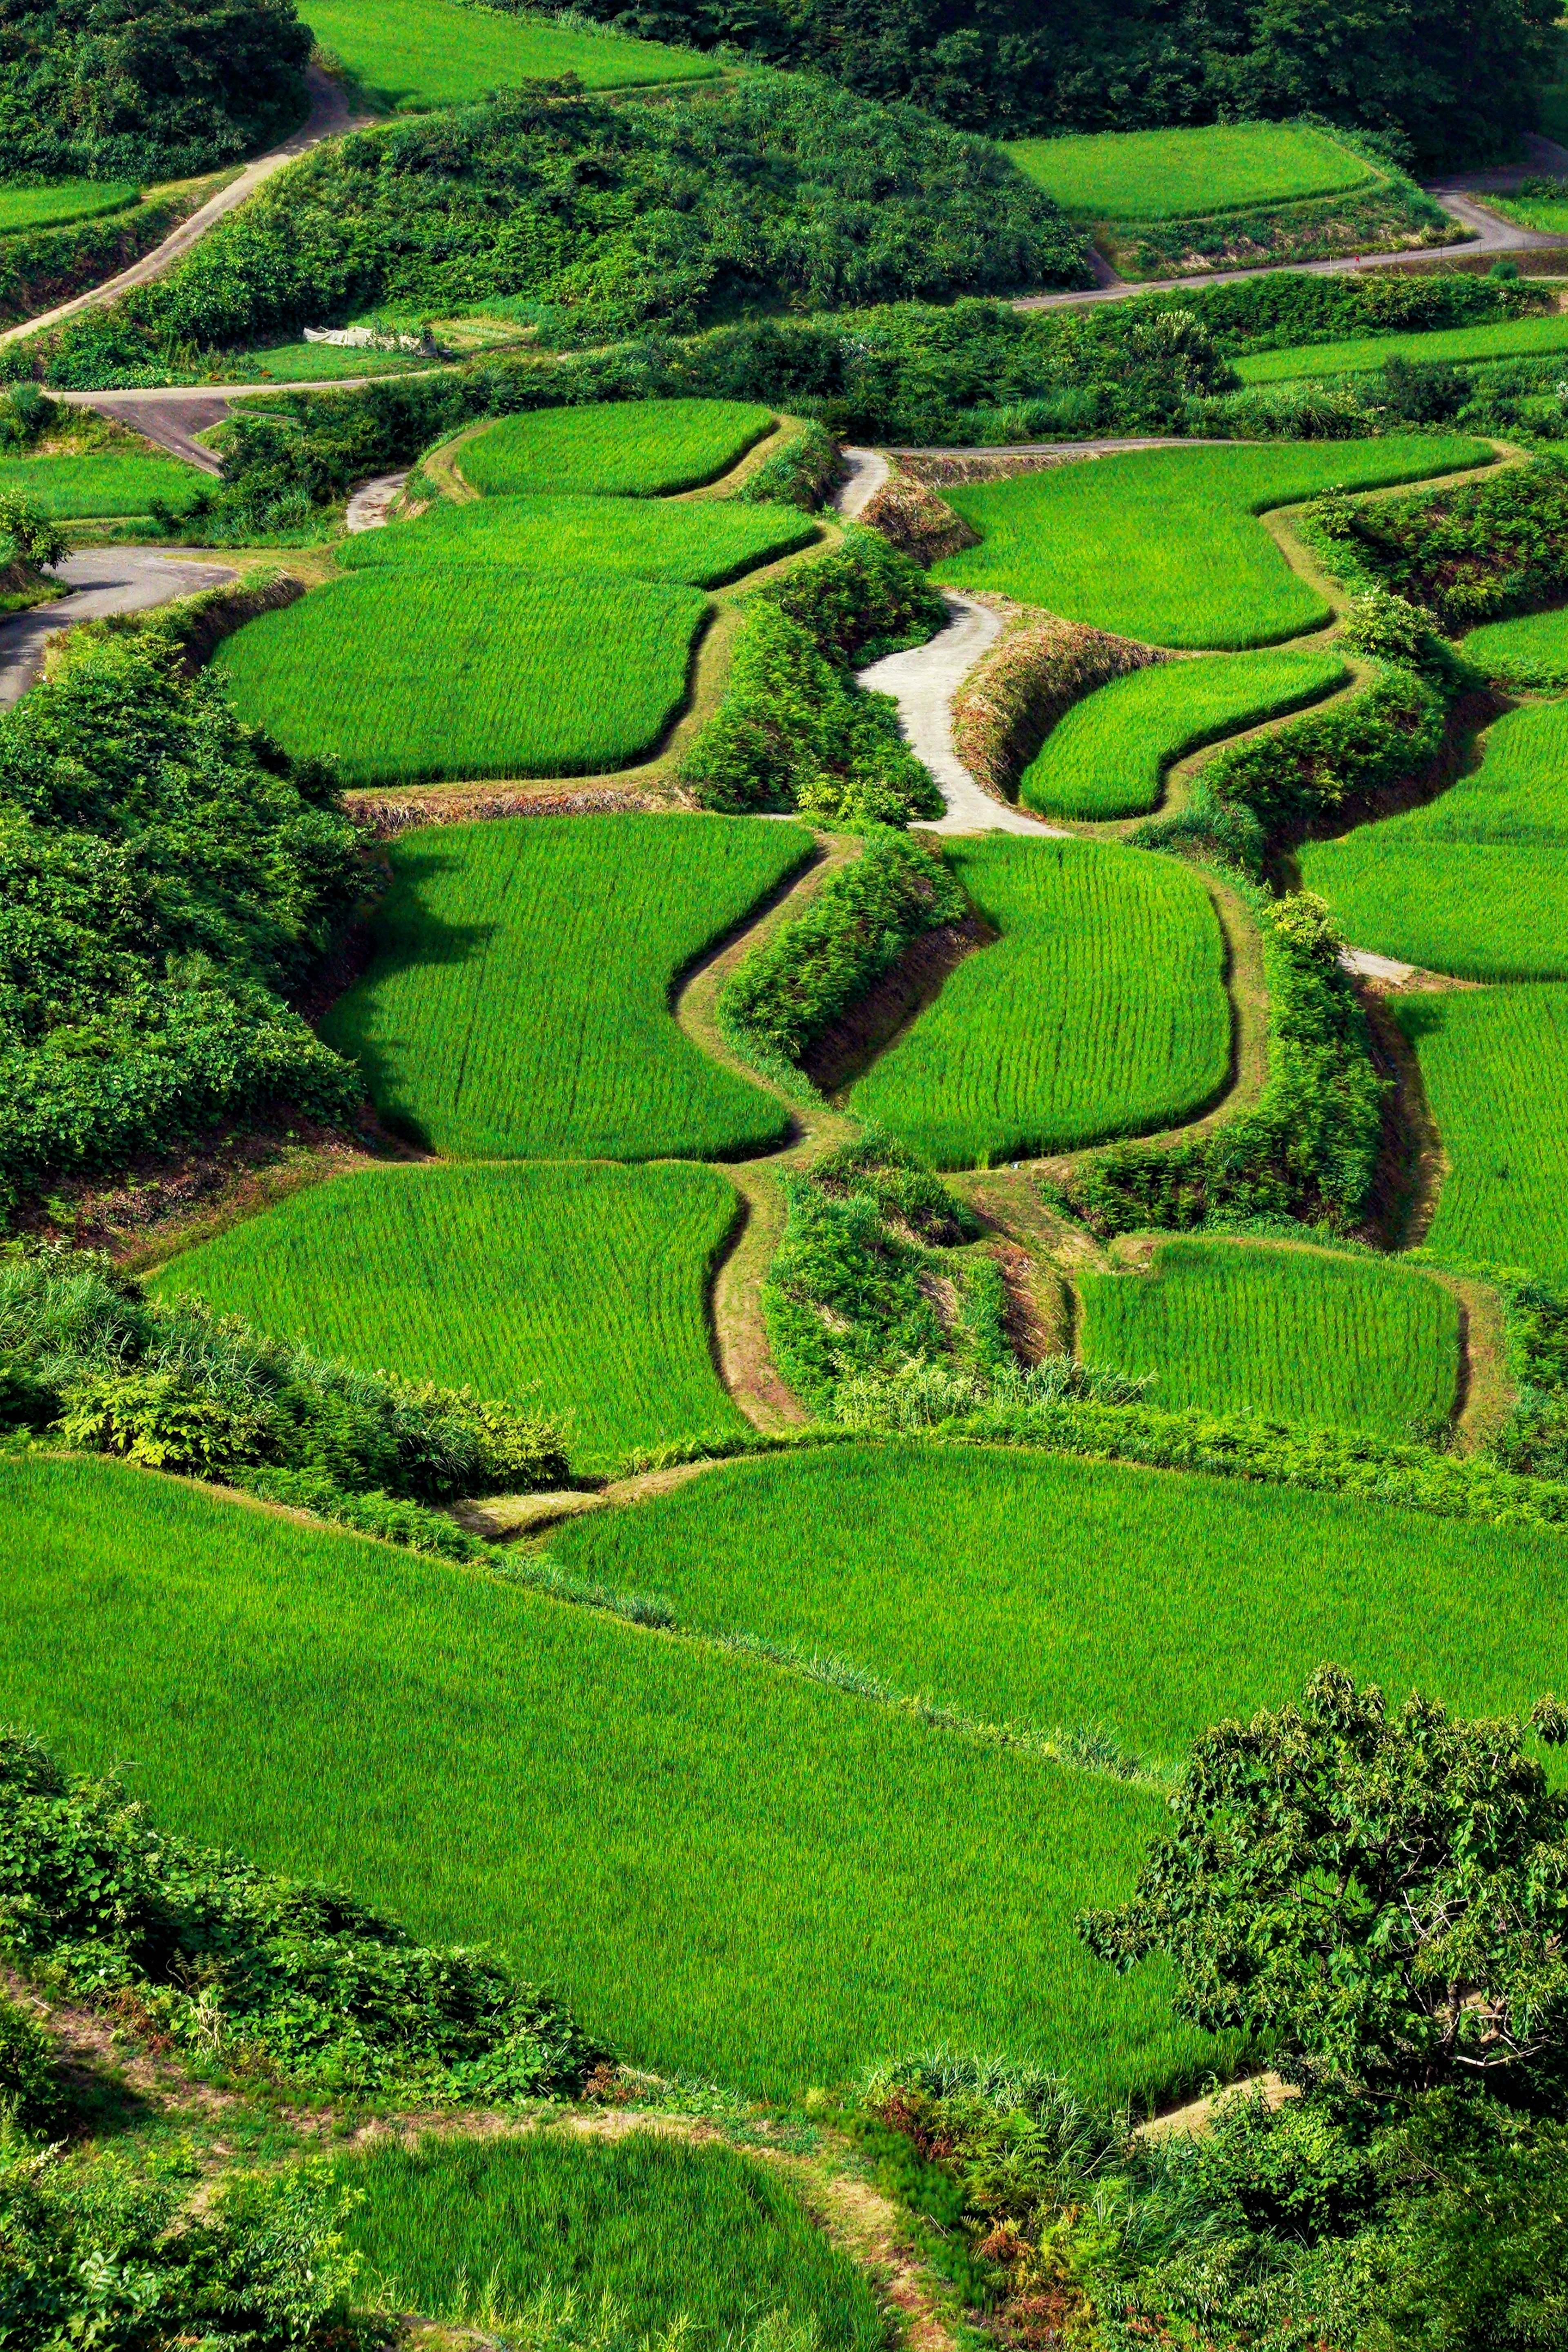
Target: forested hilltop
{"x":1452,"y":79}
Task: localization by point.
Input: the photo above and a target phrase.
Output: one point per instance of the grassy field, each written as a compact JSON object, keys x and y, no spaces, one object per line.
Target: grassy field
{"x":517,"y":1004}
{"x":1494,"y":1065}
{"x":411,"y":673}
{"x":628,"y":449}
{"x":1151,"y":176}
{"x":58,"y":201}
{"x":1532,"y":648}
{"x":1164,"y":544}
{"x":698,"y":545}
{"x":1032,"y":1589}
{"x":580,"y":1289}
{"x":1476,"y":883}
{"x":669,"y":2231}
{"x":1108,"y":756}
{"x":1099,"y":1011}
{"x":732,"y":1871}
{"x":416,"y":53}
{"x":1507,"y":339}
{"x":1231,"y":1327}
{"x":317,"y":364}
{"x":1547,"y":212}
{"x":83,"y":486}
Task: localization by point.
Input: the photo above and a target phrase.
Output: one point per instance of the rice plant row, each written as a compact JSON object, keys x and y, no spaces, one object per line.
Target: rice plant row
{"x":413,"y":55}
{"x":1108,"y":757}
{"x":1501,"y":339}
{"x":697,"y":543}
{"x":1149,"y":175}
{"x":1166,"y":544}
{"x":1494,"y":1063}
{"x":578,"y":1289}
{"x":1532,"y":648}
{"x":54,"y":201}
{"x":1476,"y":883}
{"x":517,"y":1000}
{"x":412,"y":674}
{"x":628,"y":449}
{"x":1229,"y":1327}
{"x":731,"y":1871}
{"x":1099,"y":1010}
{"x":67,"y":487}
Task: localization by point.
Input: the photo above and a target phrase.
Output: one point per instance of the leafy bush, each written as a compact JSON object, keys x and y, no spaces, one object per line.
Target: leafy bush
{"x":1466,"y":554}
{"x":274,"y":1980}
{"x":803,"y":475}
{"x":29,"y":2086}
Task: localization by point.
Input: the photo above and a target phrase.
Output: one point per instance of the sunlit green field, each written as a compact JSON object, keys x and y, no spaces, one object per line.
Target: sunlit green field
{"x":732,"y":1871}
{"x":1166,"y":544}
{"x":1144,"y":176}
{"x":415,"y":53}
{"x":580,"y":1290}
{"x":1504,"y":338}
{"x":1099,"y":1011}
{"x":70,"y":487}
{"x":54,"y":202}
{"x":1035,"y":1588}
{"x":1494,"y":1063}
{"x":466,"y":2229}
{"x":1108,"y":755}
{"x":1532,"y":648}
{"x":696,"y":544}
{"x":1230,"y":1327}
{"x":632,"y":448}
{"x":516,"y":1001}
{"x":1476,"y":883}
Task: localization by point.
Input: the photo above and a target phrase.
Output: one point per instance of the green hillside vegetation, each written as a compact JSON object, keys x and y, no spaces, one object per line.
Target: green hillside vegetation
{"x":517,"y":1000}
{"x":408,"y":674}
{"x":1164,"y":544}
{"x":503,"y":1768}
{"x":1504,"y":338}
{"x":317,"y":364}
{"x":1542,"y":203}
{"x":667,"y":2230}
{"x":46,"y":204}
{"x":1026,"y":1588}
{"x":1494,"y":1064}
{"x":634,"y":448}
{"x":416,"y":53}
{"x":1153,"y":175}
{"x":1475,"y":883}
{"x":1226,"y":1326}
{"x":1532,"y":649}
{"x":1100,"y":1010}
{"x":580,"y":1291}
{"x":698,"y":543}
{"x":1108,"y":756}
{"x":85,"y":486}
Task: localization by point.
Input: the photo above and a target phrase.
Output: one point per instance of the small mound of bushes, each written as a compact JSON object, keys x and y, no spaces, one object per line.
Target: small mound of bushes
{"x":1469,"y":554}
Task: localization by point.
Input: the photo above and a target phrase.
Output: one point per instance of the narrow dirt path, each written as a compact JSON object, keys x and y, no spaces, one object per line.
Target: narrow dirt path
{"x":867,"y":471}
{"x":371,"y":505}
{"x":104,"y":580}
{"x":922,"y":681}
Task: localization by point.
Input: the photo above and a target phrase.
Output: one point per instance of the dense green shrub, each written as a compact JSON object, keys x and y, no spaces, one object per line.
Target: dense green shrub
{"x":40,"y":268}
{"x":1335,"y":760}
{"x":804,"y":474}
{"x":166,"y":1382}
{"x":274,"y":1980}
{"x":1466,"y":554}
{"x":29,"y":2081}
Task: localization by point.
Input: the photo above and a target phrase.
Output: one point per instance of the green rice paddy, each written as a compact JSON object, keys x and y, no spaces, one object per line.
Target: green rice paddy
{"x":1149,"y":175}
{"x":416,"y":53}
{"x":1241,"y":1327}
{"x":1494,"y":1063}
{"x":1476,"y":883}
{"x":1547,"y":212}
{"x":699,"y":544}
{"x":1505,"y":339}
{"x":578,"y":1290}
{"x":58,"y":201}
{"x":1166,"y":544}
{"x":1532,"y":648}
{"x":732,"y":1871}
{"x":412,"y":673}
{"x":516,"y":1003}
{"x":628,"y":448}
{"x":471,"y":2229}
{"x":317,"y":364}
{"x":67,"y":487}
{"x":1108,"y":757}
{"x":1100,"y":1010}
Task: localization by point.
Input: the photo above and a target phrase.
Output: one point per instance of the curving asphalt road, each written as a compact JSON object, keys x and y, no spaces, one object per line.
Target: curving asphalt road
{"x":103,"y":581}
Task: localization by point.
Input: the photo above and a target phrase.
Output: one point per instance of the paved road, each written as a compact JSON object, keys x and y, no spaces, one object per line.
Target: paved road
{"x":868,"y":470}
{"x":104,"y":580}
{"x":923,"y":682}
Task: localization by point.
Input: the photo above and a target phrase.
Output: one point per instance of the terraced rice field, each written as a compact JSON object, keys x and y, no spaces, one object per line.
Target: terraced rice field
{"x":1149,"y":175}
{"x":669,"y":2231}
{"x":1166,"y":544}
{"x":1099,"y":1011}
{"x":317,"y":362}
{"x":1028,"y":1588}
{"x":1547,"y":212}
{"x":578,"y":1290}
{"x":1532,"y":649}
{"x":413,"y":55}
{"x":1230,"y":1327}
{"x":1476,"y":883}
{"x":698,"y":545}
{"x":412,"y":673}
{"x":67,"y":488}
{"x":516,"y":1003}
{"x":733,"y":1872}
{"x":1494,"y":1063}
{"x":1504,"y":338}
{"x":1108,"y":757}
{"x":54,"y":202}
{"x":624,"y":448}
